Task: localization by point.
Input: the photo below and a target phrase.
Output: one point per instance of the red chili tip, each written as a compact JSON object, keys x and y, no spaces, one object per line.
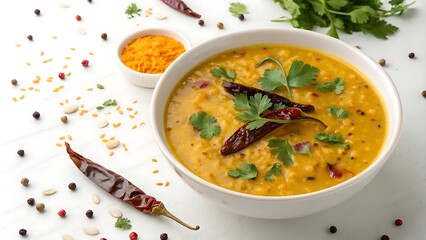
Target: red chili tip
{"x":62,"y":213}
{"x":61,"y":75}
{"x":78,"y":18}
{"x":133,"y":236}
{"x":398,"y":222}
{"x":85,"y":63}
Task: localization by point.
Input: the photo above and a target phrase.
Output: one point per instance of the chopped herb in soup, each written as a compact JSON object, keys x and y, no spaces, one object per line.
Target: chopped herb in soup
{"x":275,"y":120}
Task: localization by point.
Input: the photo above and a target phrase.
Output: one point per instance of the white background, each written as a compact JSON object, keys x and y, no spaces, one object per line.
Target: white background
{"x":399,"y":190}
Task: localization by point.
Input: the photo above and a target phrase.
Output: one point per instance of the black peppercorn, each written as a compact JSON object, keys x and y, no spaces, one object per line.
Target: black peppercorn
{"x":219,"y":25}
{"x":30,"y":37}
{"x":36,"y":115}
{"x":14,"y":82}
{"x":37,"y":12}
{"x":22,"y":232}
{"x":241,"y":17}
{"x":21,"y":152}
{"x":31,"y":201}
{"x":333,"y":229}
{"x":201,"y":22}
{"x":104,"y":36}
{"x":411,"y":55}
{"x":164,"y":236}
{"x":384,"y":237}
{"x":25,"y":181}
{"x":89,"y":213}
{"x":424,"y":93}
{"x":72,"y":186}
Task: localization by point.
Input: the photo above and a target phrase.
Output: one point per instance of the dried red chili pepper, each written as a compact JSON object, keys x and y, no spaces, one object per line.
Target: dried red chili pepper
{"x":333,"y":171}
{"x":181,"y":7}
{"x":244,"y":137}
{"x":234,"y":88}
{"x":121,"y":188}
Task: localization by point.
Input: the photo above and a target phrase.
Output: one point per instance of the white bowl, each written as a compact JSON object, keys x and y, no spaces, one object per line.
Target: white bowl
{"x":285,"y":206}
{"x":146,"y":79}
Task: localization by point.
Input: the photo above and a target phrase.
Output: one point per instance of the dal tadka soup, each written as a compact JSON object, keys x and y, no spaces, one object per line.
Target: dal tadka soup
{"x":210,"y":112}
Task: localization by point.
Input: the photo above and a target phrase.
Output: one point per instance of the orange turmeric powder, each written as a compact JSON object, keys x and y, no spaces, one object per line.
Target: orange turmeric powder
{"x":152,"y":53}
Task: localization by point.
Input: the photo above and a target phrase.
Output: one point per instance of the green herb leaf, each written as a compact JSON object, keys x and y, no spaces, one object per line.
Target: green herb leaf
{"x":338,"y":112}
{"x":274,"y":170}
{"x":100,"y":107}
{"x":380,"y":29}
{"x":283,"y":149}
{"x":237,"y":8}
{"x":221,"y":72}
{"x":107,"y":103}
{"x":337,"y":4}
{"x":123,"y":223}
{"x":252,"y":107}
{"x":301,"y":74}
{"x":100,"y":86}
{"x":248,"y":171}
{"x":133,"y":9}
{"x":362,"y":14}
{"x":335,"y":86}
{"x":272,"y":79}
{"x":205,"y":123}
{"x":332,"y":138}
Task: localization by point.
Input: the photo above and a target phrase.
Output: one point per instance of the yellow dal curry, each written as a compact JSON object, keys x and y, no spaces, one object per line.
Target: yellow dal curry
{"x":364,"y":129}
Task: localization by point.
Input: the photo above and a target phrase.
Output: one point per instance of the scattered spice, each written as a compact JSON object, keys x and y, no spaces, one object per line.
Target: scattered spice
{"x":64,"y":119}
{"x":25,"y":181}
{"x":424,"y":93}
{"x":36,"y":115}
{"x":241,"y":17}
{"x":22,"y":232}
{"x":333,"y":229}
{"x":91,"y":231}
{"x":90,"y":1}
{"x":219,"y":25}
{"x":100,"y":86}
{"x":382,"y":62}
{"x":398,"y":222}
{"x":133,"y":236}
{"x":89,"y":213}
{"x":180,"y":6}
{"x":384,"y":237}
{"x":164,"y":236}
{"x":37,"y":12}
{"x":78,"y":18}
{"x":104,"y":36}
{"x":14,"y":82}
{"x":72,"y":186}
{"x":30,"y":37}
{"x":31,"y":201}
{"x":21,"y":152}
{"x":49,"y":191}
{"x":40,"y":207}
{"x":201,"y":22}
{"x":62,"y":213}
{"x":411,"y":55}
{"x":61,"y":75}
{"x":85,"y":63}
{"x":151,"y":54}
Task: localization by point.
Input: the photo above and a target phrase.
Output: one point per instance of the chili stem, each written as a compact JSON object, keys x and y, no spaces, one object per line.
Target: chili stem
{"x":160,"y":209}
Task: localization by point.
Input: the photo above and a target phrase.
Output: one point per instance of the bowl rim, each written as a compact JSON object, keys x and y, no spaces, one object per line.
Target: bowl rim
{"x":371,"y":169}
{"x":145,"y":32}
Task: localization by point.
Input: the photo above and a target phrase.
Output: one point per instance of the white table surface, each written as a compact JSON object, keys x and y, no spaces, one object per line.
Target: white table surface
{"x":399,"y":190}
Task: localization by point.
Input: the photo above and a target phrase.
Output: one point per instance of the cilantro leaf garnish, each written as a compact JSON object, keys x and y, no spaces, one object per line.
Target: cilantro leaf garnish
{"x":107,"y":103}
{"x":221,"y":72}
{"x":205,"y":123}
{"x":348,"y":16}
{"x":248,"y":171}
{"x":303,"y":148}
{"x":283,"y":149}
{"x":332,"y":138}
{"x":133,"y":9}
{"x":338,"y":112}
{"x":123,"y":223}
{"x":237,"y":8}
{"x":100,"y":86}
{"x":299,"y":75}
{"x":335,"y":86}
{"x":274,"y":170}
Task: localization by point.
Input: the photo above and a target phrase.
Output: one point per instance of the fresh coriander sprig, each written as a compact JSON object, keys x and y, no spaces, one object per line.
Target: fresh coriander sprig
{"x":274,"y":170}
{"x":123,"y":223}
{"x":133,"y":9}
{"x":338,"y":112}
{"x":335,"y":86}
{"x":248,"y":171}
{"x":237,"y":8}
{"x":107,"y":103}
{"x":205,"y":123}
{"x":333,"y":138}
{"x":222,"y":73}
{"x":283,"y":149}
{"x":299,"y":75}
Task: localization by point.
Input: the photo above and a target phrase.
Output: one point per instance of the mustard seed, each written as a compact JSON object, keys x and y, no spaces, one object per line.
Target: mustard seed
{"x":411,"y":55}
{"x":31,"y":201}
{"x":25,"y":181}
{"x":89,"y":213}
{"x":21,"y":152}
{"x":36,"y":115}
{"x":333,"y":229}
{"x":40,"y":207}
{"x":37,"y":12}
{"x":14,"y":82}
{"x":220,"y":25}
{"x":72,"y":186}
{"x":22,"y":232}
{"x":201,"y":22}
{"x":241,"y":17}
{"x":164,"y":236}
{"x":382,"y":62}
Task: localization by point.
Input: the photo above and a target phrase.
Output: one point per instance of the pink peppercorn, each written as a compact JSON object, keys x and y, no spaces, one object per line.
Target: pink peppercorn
{"x":78,"y":18}
{"x":62,"y":213}
{"x":61,"y":75}
{"x":85,"y":63}
{"x":133,"y":236}
{"x":398,"y":222}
